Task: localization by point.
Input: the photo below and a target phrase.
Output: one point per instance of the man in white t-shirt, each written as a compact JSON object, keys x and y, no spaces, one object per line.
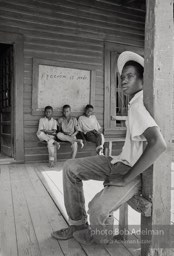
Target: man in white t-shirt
{"x":121,"y":175}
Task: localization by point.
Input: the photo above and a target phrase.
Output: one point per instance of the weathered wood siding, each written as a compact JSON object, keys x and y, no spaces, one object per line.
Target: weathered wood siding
{"x":72,"y":31}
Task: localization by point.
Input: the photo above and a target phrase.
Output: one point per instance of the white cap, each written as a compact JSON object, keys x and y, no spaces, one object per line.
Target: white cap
{"x":128,"y":56}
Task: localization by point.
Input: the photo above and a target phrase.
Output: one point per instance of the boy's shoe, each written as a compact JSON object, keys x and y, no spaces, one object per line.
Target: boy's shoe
{"x":67,"y":233}
{"x":51,"y":163}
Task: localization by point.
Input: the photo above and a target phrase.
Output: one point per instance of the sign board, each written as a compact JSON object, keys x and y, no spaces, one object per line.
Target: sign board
{"x":58,"y":86}
{"x":57,"y":83}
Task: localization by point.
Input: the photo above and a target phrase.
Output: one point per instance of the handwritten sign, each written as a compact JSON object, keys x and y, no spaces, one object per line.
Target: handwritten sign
{"x":58,"y":86}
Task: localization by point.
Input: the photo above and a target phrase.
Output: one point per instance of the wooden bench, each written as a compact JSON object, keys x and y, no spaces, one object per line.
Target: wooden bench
{"x":39,"y":152}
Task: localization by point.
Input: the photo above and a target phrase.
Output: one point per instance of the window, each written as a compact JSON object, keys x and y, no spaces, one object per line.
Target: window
{"x":121,"y":103}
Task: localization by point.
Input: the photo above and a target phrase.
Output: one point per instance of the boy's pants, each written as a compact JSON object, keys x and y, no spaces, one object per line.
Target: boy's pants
{"x":106,"y":201}
{"x":95,"y":137}
{"x":64,"y":137}
{"x":50,"y":143}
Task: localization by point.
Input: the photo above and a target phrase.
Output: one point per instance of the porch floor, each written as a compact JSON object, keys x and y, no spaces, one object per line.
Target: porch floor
{"x":29,"y":214}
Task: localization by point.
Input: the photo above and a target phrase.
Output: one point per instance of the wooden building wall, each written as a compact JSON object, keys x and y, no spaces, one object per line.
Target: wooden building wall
{"x":72,"y":31}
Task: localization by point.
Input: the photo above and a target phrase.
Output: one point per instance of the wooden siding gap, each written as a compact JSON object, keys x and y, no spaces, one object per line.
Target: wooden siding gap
{"x":97,"y":6}
{"x":66,"y":39}
{"x":78,"y":27}
{"x":70,"y":6}
{"x":69,"y":46}
{"x":58,"y":48}
{"x":73,"y":19}
{"x":122,"y":38}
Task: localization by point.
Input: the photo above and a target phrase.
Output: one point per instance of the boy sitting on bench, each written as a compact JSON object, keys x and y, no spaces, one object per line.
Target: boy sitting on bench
{"x":91,"y":128}
{"x":69,"y":130}
{"x":47,"y":132}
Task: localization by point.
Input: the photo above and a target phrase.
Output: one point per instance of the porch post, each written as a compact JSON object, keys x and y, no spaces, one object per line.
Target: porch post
{"x":158,"y":98}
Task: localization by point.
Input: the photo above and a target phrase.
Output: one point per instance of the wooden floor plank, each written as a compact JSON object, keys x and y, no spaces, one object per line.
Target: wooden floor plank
{"x":52,"y":189}
{"x":47,"y":245}
{"x":44,"y":174}
{"x":7,"y":224}
{"x":53,"y":180}
{"x":28,"y":214}
{"x":54,"y":216}
{"x":26,"y":238}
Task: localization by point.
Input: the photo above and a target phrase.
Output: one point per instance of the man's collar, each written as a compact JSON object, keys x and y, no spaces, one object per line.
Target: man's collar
{"x":136,"y":96}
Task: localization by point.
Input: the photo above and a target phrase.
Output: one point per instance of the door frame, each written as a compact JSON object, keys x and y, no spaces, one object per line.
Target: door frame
{"x":17,"y":40}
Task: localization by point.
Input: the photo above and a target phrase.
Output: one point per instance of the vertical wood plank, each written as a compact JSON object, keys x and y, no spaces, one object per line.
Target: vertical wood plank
{"x":25,"y":233}
{"x":43,"y":229}
{"x":158,"y":95}
{"x":7,"y":224}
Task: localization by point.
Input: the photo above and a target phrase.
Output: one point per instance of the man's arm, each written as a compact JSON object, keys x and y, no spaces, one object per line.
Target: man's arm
{"x":156,"y":145}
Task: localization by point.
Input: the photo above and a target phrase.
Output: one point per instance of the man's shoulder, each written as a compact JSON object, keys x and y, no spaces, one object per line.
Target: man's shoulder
{"x":137,"y":105}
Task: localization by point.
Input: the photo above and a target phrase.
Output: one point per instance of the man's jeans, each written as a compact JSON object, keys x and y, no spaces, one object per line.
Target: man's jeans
{"x":104,"y":202}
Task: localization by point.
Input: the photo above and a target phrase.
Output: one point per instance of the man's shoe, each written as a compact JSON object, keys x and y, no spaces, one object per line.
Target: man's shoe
{"x":84,"y":237}
{"x":67,"y":233}
{"x":87,"y":238}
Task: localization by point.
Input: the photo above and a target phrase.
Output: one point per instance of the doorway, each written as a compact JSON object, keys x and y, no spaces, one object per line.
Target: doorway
{"x":6,"y":101}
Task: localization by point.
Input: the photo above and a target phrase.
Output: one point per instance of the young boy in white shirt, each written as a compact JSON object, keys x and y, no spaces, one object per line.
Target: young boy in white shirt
{"x":121,"y":176}
{"x":47,"y":132}
{"x":91,"y":128}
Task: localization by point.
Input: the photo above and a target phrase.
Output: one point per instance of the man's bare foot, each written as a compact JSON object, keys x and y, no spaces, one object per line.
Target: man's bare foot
{"x":51,"y":163}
